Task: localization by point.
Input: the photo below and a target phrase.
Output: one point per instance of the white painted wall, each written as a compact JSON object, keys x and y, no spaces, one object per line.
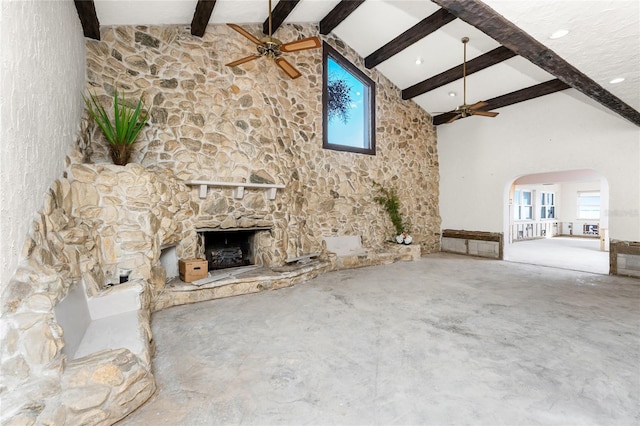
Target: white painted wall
{"x":480,"y":158}
{"x":42,"y":75}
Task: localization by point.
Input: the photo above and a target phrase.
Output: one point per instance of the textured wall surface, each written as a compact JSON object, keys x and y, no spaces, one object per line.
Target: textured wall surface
{"x":42,"y":76}
{"x":103,"y":217}
{"x":135,"y":211}
{"x":213,"y":122}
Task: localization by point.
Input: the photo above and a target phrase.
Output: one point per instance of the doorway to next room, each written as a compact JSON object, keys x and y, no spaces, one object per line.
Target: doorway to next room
{"x":559,"y":220}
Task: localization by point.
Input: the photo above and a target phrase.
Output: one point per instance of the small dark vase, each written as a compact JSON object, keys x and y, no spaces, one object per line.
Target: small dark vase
{"x":120,"y":154}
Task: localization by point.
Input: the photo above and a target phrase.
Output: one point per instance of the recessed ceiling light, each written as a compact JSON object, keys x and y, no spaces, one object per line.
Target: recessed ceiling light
{"x":453,"y":94}
{"x":559,"y":34}
{"x":418,"y":61}
{"x":617,"y":80}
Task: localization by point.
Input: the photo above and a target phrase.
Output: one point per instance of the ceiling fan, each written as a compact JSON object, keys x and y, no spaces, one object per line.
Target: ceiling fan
{"x":465,"y":110}
{"x":273,"y":48}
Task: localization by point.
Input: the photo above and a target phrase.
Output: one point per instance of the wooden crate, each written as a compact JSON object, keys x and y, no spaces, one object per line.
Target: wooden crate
{"x":192,"y":269}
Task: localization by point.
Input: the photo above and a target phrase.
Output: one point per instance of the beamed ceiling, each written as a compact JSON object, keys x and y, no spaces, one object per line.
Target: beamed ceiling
{"x":510,"y":56}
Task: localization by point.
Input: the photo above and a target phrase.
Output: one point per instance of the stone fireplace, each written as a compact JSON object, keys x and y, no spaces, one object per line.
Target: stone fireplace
{"x":221,"y":154}
{"x":254,"y":157}
{"x":230,"y":248}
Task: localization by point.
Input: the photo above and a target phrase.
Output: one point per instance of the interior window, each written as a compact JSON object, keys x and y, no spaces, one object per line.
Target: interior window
{"x":547,"y":205}
{"x":348,"y":105}
{"x":523,"y":205}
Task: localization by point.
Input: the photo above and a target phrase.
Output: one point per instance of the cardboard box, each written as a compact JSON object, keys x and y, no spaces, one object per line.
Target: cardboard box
{"x":193,"y":269}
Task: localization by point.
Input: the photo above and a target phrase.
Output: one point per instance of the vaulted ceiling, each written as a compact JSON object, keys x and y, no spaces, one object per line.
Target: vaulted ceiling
{"x":511,"y":57}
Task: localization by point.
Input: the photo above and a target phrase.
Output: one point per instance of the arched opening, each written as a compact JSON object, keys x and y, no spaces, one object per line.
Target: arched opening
{"x":558,"y":219}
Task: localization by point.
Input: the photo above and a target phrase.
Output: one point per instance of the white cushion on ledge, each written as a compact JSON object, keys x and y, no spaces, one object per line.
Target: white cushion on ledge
{"x":113,"y":332}
{"x":347,"y":245}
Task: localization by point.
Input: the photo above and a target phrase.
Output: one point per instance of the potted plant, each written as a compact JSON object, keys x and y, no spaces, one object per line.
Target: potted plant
{"x":388,"y":199}
{"x":123,"y":131}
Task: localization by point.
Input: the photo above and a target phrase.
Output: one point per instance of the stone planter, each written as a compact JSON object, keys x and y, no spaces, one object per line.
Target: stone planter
{"x":120,"y":154}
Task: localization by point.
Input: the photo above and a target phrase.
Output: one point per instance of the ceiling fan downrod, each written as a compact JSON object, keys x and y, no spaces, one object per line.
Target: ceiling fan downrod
{"x":270,"y":32}
{"x":465,"y":110}
{"x":465,"y":40}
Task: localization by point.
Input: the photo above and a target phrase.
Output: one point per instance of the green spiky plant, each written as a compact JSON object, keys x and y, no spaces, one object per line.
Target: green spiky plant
{"x":388,"y":199}
{"x":123,"y":131}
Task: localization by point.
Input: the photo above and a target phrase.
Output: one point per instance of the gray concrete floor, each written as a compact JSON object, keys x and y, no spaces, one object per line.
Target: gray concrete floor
{"x":447,"y":340}
{"x":579,"y":254}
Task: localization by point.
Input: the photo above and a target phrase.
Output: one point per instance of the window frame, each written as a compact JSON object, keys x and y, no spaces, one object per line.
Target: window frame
{"x":547,"y":207}
{"x":519,"y":205}
{"x":369,"y":129}
{"x":579,"y":214}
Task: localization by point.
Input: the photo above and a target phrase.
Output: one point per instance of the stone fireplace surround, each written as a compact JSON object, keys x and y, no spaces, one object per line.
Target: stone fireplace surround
{"x":207,"y":123}
{"x":96,"y":220}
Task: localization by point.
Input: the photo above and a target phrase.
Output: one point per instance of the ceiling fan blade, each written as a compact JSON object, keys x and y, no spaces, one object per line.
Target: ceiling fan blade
{"x":478,"y":105}
{"x":245,"y":33}
{"x":304,"y":44}
{"x":454,"y":118}
{"x":485,"y":113}
{"x":242,"y":61}
{"x":288,"y":68}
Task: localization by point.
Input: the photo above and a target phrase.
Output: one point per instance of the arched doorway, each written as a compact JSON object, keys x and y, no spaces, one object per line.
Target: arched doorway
{"x":558,"y":219}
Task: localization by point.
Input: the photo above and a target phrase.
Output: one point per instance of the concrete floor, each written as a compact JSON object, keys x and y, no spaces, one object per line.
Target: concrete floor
{"x":579,"y":254}
{"x":447,"y":340}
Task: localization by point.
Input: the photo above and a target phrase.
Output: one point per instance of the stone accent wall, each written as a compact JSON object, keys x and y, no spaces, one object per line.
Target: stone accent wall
{"x":252,"y":123}
{"x":208,"y":122}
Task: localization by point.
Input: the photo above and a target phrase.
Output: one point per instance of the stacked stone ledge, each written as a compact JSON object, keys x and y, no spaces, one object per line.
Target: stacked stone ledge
{"x":99,"y":219}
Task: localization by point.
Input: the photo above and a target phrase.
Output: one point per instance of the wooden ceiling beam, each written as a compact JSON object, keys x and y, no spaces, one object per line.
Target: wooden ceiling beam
{"x":531,"y":92}
{"x":279,"y":14}
{"x":487,"y":20}
{"x":419,"y":31}
{"x":521,"y":95}
{"x":491,"y":58}
{"x":201,"y":17}
{"x":338,"y":14}
{"x":88,"y":18}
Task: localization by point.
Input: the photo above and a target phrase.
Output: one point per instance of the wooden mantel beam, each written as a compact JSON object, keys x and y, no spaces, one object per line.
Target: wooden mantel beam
{"x":88,"y":18}
{"x":420,"y":30}
{"x":279,"y":14}
{"x":338,"y":14}
{"x":491,"y":58}
{"x":201,"y":17}
{"x":521,"y":95}
{"x":478,"y":14}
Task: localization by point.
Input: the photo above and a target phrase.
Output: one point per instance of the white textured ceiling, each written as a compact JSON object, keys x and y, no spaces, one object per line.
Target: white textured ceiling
{"x":603,"y":43}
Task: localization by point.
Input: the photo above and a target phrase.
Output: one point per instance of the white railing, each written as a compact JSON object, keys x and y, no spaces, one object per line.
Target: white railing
{"x":531,"y":230}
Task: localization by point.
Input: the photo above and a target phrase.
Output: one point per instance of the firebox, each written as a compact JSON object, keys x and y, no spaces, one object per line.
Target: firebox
{"x":229,"y":248}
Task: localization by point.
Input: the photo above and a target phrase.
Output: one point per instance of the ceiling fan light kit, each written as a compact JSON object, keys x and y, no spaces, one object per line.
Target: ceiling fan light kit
{"x":466,"y":110}
{"x":272,"y":48}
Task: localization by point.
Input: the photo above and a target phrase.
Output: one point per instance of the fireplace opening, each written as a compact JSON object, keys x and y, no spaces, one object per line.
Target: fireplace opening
{"x":229,"y":248}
